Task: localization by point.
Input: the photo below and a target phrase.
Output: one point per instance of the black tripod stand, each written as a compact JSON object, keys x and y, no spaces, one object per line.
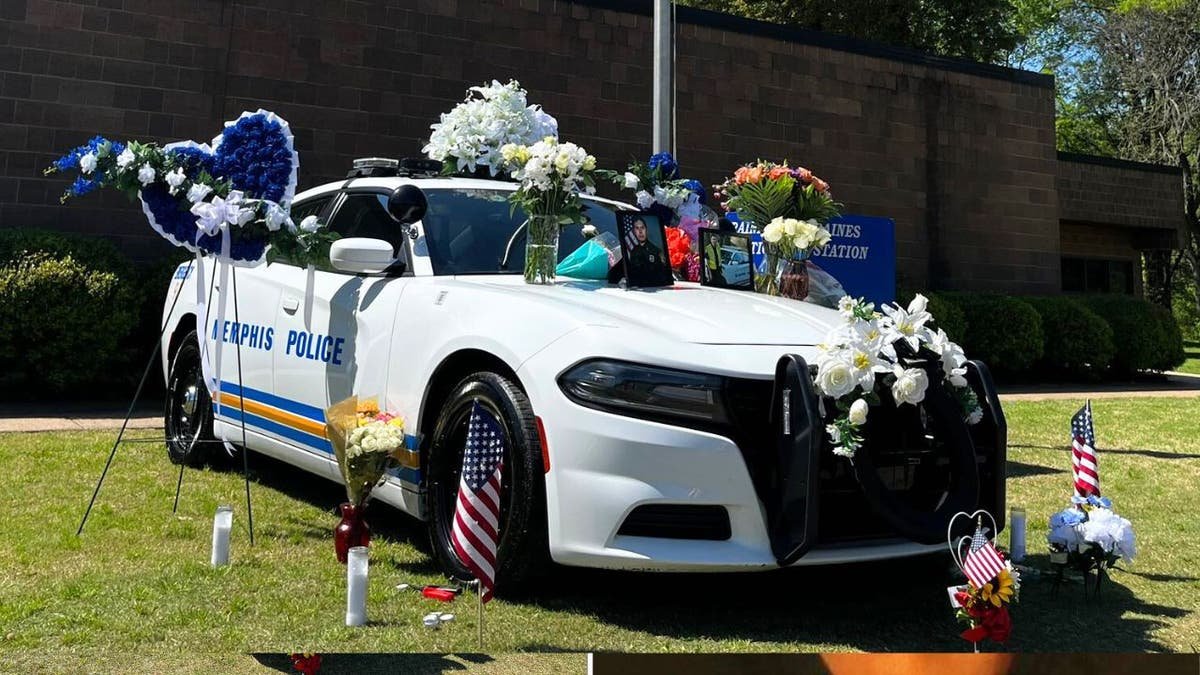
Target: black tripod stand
{"x":196,"y":438}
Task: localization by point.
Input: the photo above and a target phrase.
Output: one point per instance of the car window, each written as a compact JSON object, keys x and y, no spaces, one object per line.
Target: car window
{"x":468,"y":231}
{"x":366,"y":215}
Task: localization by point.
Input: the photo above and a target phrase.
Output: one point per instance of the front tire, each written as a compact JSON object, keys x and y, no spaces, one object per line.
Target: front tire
{"x":522,"y":553}
{"x":188,"y":412}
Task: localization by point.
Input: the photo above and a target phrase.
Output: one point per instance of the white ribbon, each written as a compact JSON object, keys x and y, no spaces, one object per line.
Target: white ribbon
{"x":210,"y":364}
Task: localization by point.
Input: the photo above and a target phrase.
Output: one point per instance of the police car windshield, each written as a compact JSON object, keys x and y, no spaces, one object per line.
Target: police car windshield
{"x":468,"y":230}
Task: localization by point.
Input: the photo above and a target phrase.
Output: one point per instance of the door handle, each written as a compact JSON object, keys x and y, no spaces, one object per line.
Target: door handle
{"x":291,"y":304}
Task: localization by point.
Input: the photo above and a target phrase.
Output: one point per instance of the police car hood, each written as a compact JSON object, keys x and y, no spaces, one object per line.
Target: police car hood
{"x":685,"y":312}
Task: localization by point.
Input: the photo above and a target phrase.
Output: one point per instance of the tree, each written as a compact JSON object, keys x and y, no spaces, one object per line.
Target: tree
{"x":1148,"y":63}
{"x":980,"y":30}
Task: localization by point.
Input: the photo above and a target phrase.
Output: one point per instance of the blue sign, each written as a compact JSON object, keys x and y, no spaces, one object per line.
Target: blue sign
{"x":861,"y":257}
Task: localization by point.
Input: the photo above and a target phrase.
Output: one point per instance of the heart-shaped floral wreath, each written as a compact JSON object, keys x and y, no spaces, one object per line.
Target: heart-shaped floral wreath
{"x":230,"y":199}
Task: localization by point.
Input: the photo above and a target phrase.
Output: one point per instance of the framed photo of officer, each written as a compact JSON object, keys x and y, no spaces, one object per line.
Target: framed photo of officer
{"x":726,"y":260}
{"x":644,"y":250}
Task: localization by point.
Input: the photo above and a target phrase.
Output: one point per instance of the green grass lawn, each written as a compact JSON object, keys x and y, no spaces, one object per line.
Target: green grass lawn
{"x":135,"y":592}
{"x":1192,"y":364}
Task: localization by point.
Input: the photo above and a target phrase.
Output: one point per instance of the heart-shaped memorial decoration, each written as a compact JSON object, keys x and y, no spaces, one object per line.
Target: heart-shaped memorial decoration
{"x":256,"y":155}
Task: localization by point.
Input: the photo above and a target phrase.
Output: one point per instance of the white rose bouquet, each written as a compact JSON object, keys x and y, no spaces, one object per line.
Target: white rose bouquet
{"x":872,"y":350}
{"x":552,"y":176}
{"x":471,"y":135}
{"x":366,"y":442}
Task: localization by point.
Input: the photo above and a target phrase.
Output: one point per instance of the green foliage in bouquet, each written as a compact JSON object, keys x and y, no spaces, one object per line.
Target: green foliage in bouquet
{"x":308,"y":247}
{"x":763,"y":191}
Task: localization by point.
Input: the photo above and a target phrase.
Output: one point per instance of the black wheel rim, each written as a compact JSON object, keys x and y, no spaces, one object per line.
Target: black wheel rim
{"x":451,"y":443}
{"x":190,"y":407}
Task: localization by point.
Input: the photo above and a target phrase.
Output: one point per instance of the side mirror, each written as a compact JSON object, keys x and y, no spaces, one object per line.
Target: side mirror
{"x":360,"y":255}
{"x":407,"y":204}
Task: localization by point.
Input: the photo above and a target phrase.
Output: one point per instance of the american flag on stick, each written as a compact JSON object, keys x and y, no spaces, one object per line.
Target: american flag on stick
{"x":1083,"y":453}
{"x":983,"y":562}
{"x":476,"y":531}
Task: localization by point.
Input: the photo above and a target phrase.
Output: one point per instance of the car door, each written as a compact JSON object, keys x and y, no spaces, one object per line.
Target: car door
{"x":334,"y":329}
{"x":239,"y":343}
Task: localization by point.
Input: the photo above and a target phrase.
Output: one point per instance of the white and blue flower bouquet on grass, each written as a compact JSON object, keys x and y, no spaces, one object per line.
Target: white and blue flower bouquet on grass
{"x":1090,"y":535}
{"x":229,"y":199}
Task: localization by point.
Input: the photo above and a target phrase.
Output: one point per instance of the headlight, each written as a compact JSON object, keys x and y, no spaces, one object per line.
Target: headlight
{"x":646,"y":391}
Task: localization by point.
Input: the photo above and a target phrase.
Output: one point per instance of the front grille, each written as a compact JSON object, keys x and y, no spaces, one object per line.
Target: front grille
{"x":843,"y":514}
{"x":678,"y":521}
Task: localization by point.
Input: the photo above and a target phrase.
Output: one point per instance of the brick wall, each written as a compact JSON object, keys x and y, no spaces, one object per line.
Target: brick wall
{"x":1101,"y":190}
{"x":961,"y":157}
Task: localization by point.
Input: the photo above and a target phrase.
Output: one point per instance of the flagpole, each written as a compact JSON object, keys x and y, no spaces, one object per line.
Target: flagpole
{"x":479,"y":597}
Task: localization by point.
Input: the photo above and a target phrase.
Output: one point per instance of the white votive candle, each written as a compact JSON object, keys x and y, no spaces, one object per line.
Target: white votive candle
{"x":222,"y":526}
{"x":1016,"y":534}
{"x":357,"y":565}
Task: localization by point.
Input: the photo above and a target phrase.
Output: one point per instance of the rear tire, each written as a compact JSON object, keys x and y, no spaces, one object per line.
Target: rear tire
{"x":523,"y":553}
{"x":188,"y":412}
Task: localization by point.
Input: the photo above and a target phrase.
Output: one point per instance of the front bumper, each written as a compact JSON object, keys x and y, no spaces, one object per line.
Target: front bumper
{"x":603,"y":466}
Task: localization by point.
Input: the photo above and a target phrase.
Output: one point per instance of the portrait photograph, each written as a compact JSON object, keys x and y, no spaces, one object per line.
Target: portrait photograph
{"x":725,"y":259}
{"x":644,"y":249}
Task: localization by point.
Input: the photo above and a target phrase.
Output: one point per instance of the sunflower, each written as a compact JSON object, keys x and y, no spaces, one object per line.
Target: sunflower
{"x":999,"y":591}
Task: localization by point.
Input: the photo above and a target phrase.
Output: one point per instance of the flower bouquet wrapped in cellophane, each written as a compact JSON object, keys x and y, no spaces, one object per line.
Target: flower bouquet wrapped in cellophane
{"x":366,"y":441}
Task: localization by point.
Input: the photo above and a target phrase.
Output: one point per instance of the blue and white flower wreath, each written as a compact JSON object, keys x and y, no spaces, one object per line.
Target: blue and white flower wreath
{"x":230,"y":199}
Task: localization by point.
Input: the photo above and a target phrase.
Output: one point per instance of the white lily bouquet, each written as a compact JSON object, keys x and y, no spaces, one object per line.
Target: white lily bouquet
{"x":872,"y":352}
{"x":552,"y":176}
{"x":469,"y":137}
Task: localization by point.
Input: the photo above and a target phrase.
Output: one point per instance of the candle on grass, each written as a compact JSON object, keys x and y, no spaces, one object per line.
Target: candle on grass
{"x":1016,"y":534}
{"x":222,"y":526}
{"x":357,"y":566}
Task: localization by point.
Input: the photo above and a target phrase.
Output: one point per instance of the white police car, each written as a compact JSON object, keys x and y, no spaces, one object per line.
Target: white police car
{"x":646,"y":430}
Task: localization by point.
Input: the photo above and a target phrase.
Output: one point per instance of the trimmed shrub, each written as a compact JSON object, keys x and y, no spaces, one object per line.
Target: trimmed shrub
{"x":947,"y":315}
{"x":60,"y":322}
{"x":1003,"y":332}
{"x":66,"y":304}
{"x":1146,"y":336}
{"x":1077,"y":340}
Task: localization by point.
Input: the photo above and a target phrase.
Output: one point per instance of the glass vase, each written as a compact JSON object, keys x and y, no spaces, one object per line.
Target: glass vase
{"x":767,"y":283}
{"x":351,"y":531}
{"x":541,"y":249}
{"x":793,"y":279}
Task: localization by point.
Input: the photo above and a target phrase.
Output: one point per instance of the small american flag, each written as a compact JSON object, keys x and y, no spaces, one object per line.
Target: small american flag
{"x":476,"y":531}
{"x":1083,"y":453}
{"x":983,"y":562}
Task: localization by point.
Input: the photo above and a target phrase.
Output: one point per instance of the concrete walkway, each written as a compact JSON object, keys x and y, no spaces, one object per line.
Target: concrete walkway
{"x":76,"y":417}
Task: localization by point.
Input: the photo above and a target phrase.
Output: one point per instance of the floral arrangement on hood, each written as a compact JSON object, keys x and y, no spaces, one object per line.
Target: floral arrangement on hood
{"x":763,"y":191}
{"x":678,"y":203}
{"x":230,"y":199}
{"x":871,"y":351}
{"x":1091,"y":534}
{"x":552,"y":176}
{"x":471,"y":136}
{"x":767,"y":195}
{"x":659,"y":189}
